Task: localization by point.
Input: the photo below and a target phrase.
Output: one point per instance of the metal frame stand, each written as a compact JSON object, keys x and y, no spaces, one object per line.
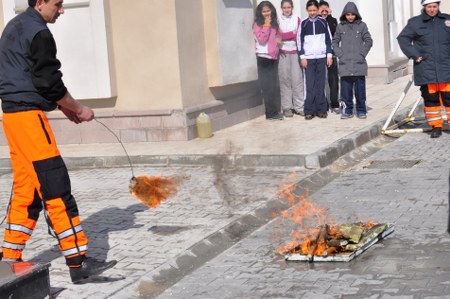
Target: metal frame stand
{"x":394,"y":129}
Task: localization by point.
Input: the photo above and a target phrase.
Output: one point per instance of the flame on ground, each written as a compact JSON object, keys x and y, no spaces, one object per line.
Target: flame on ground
{"x":151,"y":191}
{"x":305,"y":220}
{"x":311,"y":230}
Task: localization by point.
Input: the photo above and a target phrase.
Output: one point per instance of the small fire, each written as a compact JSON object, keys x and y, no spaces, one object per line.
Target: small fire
{"x":151,"y":191}
{"x":312,"y":232}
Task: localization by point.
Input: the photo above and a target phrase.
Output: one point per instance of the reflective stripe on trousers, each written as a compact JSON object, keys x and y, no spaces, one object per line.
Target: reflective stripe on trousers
{"x":435,"y":96}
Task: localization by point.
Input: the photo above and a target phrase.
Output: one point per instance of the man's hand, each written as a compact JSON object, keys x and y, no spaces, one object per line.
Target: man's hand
{"x":86,"y":114}
{"x":72,"y":116}
{"x":419,"y":59}
{"x":74,"y":110}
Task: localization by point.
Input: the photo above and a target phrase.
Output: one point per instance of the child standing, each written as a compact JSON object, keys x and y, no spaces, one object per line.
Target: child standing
{"x":332,"y":71}
{"x":351,"y":44}
{"x":289,"y":71}
{"x":265,"y":30}
{"x":314,"y":38}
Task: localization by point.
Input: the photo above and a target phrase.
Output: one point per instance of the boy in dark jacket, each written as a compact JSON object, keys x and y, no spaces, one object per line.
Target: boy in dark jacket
{"x":314,"y":42}
{"x":425,"y":39}
{"x":351,"y":44}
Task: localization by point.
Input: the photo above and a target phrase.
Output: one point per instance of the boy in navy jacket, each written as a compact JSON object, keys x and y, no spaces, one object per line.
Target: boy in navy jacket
{"x":314,"y":38}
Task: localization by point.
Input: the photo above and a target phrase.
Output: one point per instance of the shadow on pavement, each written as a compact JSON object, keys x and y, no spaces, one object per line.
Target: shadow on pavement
{"x":97,"y":227}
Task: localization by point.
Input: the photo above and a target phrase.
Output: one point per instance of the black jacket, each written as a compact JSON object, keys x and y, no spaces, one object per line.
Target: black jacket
{"x":332,"y":23}
{"x":29,"y":70}
{"x":428,"y":38}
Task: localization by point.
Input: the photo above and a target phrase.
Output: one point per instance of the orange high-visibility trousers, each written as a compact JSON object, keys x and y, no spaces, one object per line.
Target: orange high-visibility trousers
{"x":436,"y":95}
{"x":40,"y":180}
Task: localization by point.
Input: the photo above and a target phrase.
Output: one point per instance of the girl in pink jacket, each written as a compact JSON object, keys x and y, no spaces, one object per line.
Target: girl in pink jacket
{"x":265,"y":30}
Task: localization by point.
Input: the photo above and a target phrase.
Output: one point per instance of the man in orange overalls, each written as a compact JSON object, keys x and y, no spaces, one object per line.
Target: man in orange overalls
{"x":30,"y":84}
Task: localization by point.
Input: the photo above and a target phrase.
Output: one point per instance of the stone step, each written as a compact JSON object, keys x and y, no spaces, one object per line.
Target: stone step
{"x":24,"y":280}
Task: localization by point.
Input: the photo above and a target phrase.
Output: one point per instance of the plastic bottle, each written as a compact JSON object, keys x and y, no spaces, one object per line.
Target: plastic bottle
{"x":204,"y":128}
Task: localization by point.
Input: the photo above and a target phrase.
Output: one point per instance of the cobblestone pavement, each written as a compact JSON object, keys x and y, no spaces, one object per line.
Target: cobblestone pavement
{"x":412,"y":263}
{"x":143,"y":239}
{"x":212,"y":240}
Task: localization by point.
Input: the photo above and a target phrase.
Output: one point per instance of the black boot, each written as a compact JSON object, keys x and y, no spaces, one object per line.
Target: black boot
{"x":436,"y":132}
{"x":90,"y":267}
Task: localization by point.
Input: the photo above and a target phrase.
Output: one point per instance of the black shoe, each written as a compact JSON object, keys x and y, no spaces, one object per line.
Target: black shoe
{"x":309,"y":117}
{"x":278,"y":116}
{"x":436,"y":132}
{"x":90,"y":267}
{"x":322,"y":115}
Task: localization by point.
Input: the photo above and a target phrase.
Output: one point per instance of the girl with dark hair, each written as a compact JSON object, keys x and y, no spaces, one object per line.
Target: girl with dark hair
{"x":290,"y":73}
{"x":265,"y":30}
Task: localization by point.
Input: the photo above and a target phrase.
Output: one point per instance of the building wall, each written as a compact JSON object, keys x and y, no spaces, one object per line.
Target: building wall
{"x":168,"y":61}
{"x":229,"y":43}
{"x":145,"y":55}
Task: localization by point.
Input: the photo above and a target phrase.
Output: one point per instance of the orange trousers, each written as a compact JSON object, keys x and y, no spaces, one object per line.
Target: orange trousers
{"x":41,"y":181}
{"x":436,"y":95}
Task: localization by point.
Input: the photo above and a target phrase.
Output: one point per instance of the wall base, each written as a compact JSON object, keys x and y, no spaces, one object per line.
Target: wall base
{"x":236,"y":105}
{"x":385,"y":74}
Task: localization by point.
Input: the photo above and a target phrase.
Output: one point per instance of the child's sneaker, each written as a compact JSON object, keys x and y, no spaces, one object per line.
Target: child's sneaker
{"x":335,"y":110}
{"x":322,"y":114}
{"x":345,"y":116}
{"x":277,"y":116}
{"x":362,"y":115}
{"x":288,"y":113}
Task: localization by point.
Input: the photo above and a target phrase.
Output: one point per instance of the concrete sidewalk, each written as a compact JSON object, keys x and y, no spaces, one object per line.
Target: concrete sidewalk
{"x":259,"y":142}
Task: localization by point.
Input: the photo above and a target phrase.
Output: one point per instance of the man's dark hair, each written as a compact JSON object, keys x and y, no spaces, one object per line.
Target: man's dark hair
{"x":324,"y":3}
{"x":312,"y":3}
{"x":32,"y":3}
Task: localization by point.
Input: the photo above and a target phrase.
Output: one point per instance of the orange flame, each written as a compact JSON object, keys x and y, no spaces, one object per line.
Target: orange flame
{"x":306,"y":245}
{"x":304,"y":217}
{"x":151,"y":191}
{"x":321,"y":247}
{"x":311,"y":229}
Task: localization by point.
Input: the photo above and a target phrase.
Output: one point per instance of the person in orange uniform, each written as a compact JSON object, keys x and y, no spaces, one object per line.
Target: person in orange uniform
{"x":425,"y":39}
{"x":30,"y":85}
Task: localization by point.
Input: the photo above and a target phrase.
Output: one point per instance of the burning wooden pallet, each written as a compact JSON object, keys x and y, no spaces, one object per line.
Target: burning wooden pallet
{"x":340,"y":243}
